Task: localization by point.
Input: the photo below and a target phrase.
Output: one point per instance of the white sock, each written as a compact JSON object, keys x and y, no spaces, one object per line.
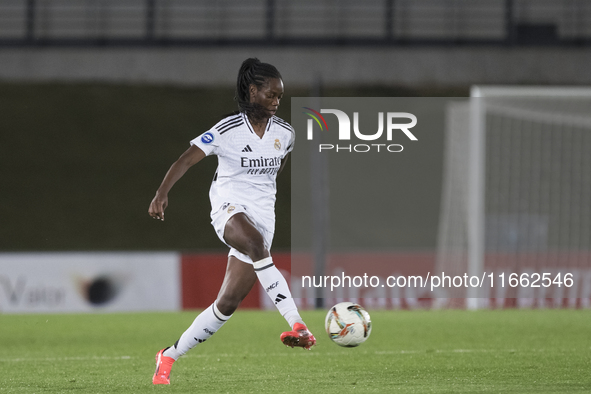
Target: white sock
{"x":277,"y":289}
{"x":204,"y":326}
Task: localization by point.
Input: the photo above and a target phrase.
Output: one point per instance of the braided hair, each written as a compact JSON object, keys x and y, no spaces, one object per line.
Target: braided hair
{"x":253,"y":72}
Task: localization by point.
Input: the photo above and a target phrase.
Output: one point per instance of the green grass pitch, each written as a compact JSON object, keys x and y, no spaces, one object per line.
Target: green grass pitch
{"x":451,"y":351}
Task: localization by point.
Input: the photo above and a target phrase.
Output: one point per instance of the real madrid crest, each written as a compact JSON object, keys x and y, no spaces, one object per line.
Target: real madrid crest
{"x":277,"y":144}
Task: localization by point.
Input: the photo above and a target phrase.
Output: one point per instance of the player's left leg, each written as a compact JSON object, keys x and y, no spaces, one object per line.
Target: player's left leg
{"x":241,"y":233}
{"x":277,"y":289}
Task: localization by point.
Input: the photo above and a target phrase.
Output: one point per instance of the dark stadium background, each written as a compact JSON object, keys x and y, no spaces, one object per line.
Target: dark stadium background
{"x":81,"y":162}
{"x":86,"y":140}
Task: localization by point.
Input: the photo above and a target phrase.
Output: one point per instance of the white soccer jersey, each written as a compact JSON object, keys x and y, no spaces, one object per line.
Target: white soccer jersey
{"x":247,"y":164}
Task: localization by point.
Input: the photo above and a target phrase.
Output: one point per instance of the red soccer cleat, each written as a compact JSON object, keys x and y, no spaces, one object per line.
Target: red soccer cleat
{"x":299,"y":336}
{"x":163,"y":366}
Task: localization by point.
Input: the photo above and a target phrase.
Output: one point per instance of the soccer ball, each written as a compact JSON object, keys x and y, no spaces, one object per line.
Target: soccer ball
{"x":348,"y":324}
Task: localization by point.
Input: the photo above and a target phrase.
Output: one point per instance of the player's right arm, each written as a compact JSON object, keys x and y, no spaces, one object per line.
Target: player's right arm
{"x":188,"y":159}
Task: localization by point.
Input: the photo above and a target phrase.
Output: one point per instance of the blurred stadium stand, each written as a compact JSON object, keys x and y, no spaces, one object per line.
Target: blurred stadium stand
{"x":99,"y":96}
{"x":86,"y":23}
{"x":114,"y":74}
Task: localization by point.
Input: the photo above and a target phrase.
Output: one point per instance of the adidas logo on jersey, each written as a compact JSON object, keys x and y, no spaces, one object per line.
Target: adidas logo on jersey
{"x":247,"y":149}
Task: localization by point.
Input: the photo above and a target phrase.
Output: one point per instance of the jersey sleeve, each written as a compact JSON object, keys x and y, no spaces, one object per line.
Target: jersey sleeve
{"x":288,"y":139}
{"x":208,"y":142}
{"x":291,"y":142}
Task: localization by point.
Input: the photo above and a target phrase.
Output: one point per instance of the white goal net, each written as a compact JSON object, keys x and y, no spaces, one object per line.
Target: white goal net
{"x":516,"y":202}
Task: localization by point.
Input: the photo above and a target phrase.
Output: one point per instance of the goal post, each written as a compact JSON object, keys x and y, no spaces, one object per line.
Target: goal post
{"x":517,"y":194}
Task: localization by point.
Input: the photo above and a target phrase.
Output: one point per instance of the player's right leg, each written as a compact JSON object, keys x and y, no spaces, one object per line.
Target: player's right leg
{"x":163,"y":367}
{"x":204,"y":326}
{"x":238,"y":282}
{"x":241,"y":233}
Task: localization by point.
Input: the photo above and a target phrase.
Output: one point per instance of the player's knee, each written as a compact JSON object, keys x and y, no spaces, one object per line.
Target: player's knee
{"x":256,"y":249}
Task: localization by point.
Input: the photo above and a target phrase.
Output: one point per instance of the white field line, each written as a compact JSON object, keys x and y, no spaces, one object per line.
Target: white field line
{"x":35,"y":359}
{"x":287,"y":353}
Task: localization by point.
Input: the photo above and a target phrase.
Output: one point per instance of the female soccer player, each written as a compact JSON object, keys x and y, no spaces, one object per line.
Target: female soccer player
{"x":252,"y":146}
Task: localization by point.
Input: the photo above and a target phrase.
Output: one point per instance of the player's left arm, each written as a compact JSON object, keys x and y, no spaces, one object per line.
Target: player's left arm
{"x":283,"y":162}
{"x":289,"y":149}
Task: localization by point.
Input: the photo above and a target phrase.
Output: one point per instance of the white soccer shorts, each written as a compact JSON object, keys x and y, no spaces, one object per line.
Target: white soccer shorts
{"x":225,"y":212}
